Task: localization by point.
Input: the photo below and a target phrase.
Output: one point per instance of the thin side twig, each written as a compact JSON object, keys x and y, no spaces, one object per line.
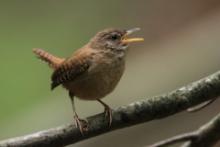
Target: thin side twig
{"x":206,"y":136}
{"x":201,"y":106}
{"x":176,"y":139}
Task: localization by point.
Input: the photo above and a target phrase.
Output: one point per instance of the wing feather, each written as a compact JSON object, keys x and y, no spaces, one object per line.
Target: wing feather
{"x":69,"y":71}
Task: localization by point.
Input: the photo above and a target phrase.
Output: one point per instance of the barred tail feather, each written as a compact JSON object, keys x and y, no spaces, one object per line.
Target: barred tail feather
{"x":52,"y":60}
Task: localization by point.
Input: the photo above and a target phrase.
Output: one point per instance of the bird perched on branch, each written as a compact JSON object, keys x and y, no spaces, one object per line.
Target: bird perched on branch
{"x":94,"y":70}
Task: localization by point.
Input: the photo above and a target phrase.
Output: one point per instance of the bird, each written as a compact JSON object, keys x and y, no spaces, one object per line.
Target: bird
{"x":94,"y":70}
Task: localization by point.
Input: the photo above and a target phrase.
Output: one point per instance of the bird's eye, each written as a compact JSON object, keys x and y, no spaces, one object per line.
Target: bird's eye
{"x":115,"y":37}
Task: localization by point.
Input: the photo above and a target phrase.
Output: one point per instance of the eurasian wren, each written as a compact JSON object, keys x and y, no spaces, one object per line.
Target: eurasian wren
{"x":94,"y":70}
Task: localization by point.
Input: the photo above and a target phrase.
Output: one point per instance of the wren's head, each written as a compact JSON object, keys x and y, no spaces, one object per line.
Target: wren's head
{"x":113,"y":39}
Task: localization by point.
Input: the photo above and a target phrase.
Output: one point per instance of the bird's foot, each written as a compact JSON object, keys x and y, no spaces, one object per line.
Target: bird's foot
{"x":108,"y":114}
{"x":81,"y":124}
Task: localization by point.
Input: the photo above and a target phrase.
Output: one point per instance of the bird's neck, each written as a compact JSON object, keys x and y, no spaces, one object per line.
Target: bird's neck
{"x":114,"y":54}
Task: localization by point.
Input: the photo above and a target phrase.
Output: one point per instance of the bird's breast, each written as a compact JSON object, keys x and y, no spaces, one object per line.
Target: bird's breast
{"x":101,"y":79}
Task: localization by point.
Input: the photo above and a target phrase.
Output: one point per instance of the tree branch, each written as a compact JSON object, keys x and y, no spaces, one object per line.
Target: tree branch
{"x":138,"y":112}
{"x":206,"y":136}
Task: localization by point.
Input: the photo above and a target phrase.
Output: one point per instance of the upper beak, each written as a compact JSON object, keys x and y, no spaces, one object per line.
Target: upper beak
{"x":129,"y":40}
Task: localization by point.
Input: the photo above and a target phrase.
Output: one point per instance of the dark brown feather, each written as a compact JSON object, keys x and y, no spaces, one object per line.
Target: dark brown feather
{"x":69,"y":71}
{"x":52,"y":60}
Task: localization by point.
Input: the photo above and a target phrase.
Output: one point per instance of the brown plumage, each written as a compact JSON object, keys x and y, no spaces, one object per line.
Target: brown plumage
{"x":70,"y":70}
{"x":94,"y":70}
{"x":52,"y":60}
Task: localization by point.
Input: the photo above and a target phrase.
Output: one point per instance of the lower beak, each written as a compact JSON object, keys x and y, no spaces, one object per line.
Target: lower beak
{"x":125,"y":39}
{"x":129,"y":40}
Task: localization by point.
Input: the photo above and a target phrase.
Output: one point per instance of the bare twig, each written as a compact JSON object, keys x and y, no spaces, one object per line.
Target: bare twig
{"x":138,"y":112}
{"x":201,"y":106}
{"x":176,"y":139}
{"x":205,"y":136}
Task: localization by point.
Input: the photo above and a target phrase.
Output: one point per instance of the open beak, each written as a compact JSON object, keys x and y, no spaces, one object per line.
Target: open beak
{"x":126,"y":40}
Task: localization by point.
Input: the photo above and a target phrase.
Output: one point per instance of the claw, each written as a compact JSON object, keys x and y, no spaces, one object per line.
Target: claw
{"x":108,"y":111}
{"x":81,"y":124}
{"x":108,"y":114}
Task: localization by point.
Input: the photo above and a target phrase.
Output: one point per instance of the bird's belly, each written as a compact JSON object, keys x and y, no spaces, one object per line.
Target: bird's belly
{"x":97,"y":84}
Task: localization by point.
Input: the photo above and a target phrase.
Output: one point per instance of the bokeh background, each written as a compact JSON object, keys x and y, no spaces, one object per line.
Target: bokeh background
{"x":182,"y":44}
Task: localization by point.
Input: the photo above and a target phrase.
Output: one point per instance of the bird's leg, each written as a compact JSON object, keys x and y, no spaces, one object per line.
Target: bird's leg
{"x":108,"y":111}
{"x":80,"y":123}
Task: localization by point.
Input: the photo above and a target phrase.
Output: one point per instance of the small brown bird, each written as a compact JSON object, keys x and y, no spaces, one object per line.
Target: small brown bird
{"x":94,"y":70}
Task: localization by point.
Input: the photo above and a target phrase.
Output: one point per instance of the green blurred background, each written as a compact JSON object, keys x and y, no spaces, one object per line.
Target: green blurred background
{"x":182,"y":44}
